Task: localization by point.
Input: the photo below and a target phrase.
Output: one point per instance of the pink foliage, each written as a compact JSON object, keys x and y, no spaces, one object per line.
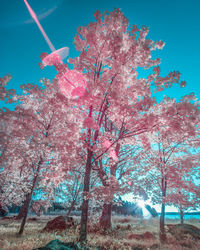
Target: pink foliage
{"x":55,"y":58}
{"x":183,"y":84}
{"x":113,"y":155}
{"x":79,"y":91}
{"x":90,"y":123}
{"x":52,"y":59}
{"x":7,"y":95}
{"x":107,"y":143}
{"x":44,"y":143}
{"x":172,"y":151}
{"x":145,"y":142}
{"x":72,"y":83}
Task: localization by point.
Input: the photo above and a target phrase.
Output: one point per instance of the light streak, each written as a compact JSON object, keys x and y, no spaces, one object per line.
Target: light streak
{"x":32,"y":13}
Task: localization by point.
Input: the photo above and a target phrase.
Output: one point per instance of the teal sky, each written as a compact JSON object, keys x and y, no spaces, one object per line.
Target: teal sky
{"x":176,"y":22}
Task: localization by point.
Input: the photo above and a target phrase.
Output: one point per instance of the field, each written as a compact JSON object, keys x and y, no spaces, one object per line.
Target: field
{"x":120,"y":237}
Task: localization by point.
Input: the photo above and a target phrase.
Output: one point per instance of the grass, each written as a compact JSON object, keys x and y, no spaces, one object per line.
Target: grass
{"x":117,"y":238}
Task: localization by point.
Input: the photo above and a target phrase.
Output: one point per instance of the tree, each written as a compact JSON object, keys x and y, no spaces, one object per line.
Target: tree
{"x":7,"y":96}
{"x":186,"y":197}
{"x":111,"y":54}
{"x":107,"y":89}
{"x":40,"y":144}
{"x":167,"y":154}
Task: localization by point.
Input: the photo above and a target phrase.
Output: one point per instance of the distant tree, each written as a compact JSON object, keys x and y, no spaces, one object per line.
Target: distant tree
{"x":186,"y":197}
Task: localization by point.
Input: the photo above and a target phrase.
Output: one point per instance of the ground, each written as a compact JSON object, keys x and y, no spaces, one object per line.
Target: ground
{"x":119,"y":237}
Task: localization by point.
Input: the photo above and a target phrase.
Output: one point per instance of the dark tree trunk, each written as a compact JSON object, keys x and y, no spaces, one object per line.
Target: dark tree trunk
{"x":162,"y":223}
{"x":162,"y":216}
{"x":84,"y":214}
{"x":28,"y":199}
{"x":181,"y":215}
{"x":23,"y":208}
{"x":105,"y":219}
{"x":25,"y":213}
{"x":71,"y":207}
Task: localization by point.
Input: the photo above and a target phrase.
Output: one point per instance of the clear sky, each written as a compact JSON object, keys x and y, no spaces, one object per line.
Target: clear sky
{"x":176,"y":22}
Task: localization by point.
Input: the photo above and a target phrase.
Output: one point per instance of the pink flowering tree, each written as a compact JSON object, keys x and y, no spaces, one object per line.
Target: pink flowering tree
{"x":110,"y":97}
{"x":7,"y":96}
{"x":168,"y":150}
{"x":114,"y":97}
{"x":186,"y":196}
{"x":41,"y":149}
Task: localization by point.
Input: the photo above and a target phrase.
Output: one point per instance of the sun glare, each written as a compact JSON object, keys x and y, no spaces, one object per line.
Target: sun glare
{"x":145,"y":212}
{"x":141,"y":203}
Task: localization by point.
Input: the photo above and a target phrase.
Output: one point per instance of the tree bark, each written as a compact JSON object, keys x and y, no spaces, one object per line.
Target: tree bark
{"x":71,"y":207}
{"x":23,"y":208}
{"x":162,"y":223}
{"x":29,"y":197}
{"x":105,"y":219}
{"x":25,"y":213}
{"x":84,"y":214}
{"x":181,"y":215}
{"x":162,"y":216}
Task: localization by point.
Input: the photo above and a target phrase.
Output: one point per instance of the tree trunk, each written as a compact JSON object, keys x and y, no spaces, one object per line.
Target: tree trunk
{"x":162,"y":216}
{"x":105,"y":219}
{"x":181,"y":215}
{"x":28,"y":199}
{"x":84,"y":214}
{"x":162,"y":223}
{"x":25,"y":213}
{"x":23,"y":208}
{"x":71,"y":207}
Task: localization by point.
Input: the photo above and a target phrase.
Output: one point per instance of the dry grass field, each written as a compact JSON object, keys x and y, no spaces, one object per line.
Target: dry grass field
{"x":117,"y":238}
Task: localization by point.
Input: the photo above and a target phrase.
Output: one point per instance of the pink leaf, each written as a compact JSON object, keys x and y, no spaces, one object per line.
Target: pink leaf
{"x":52,"y":59}
{"x":72,"y":83}
{"x":79,"y":91}
{"x":55,"y":57}
{"x":107,"y":143}
{"x":183,"y":84}
{"x":90,"y":123}
{"x":113,"y":155}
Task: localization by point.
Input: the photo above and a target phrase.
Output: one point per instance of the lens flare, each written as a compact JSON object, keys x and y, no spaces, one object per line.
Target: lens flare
{"x":32,"y":13}
{"x":73,"y":84}
{"x":141,"y":203}
{"x":56,"y":56}
{"x":145,"y":212}
{"x":62,"y":53}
